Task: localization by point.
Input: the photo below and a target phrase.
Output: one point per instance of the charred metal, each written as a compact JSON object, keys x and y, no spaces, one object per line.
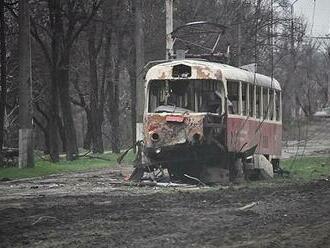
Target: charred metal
{"x":205,"y":120}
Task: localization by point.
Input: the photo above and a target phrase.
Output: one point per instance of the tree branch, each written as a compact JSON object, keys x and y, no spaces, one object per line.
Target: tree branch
{"x":36,"y":36}
{"x":82,"y":102}
{"x":43,"y":128}
{"x":43,"y":113}
{"x":84,"y":24}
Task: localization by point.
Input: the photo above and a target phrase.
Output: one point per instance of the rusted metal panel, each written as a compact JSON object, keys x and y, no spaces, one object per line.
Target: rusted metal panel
{"x":211,"y":70}
{"x":243,"y":133}
{"x":203,"y":70}
{"x":166,"y":130}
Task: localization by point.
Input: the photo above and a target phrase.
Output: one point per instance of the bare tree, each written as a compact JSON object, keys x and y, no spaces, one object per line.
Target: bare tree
{"x":25,"y":88}
{"x":95,"y":110}
{"x":92,"y":98}
{"x":3,"y":72}
{"x":66,"y":20}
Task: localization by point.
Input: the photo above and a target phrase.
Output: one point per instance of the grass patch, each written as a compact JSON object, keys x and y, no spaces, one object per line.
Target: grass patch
{"x":305,"y":168}
{"x":44,"y":168}
{"x":308,"y":168}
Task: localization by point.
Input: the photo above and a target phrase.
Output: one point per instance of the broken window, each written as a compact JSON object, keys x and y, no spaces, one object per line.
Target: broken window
{"x":277,"y":105}
{"x":271,"y":105}
{"x":182,"y":71}
{"x":185,"y":95}
{"x":252,"y":100}
{"x":233,"y":96}
{"x":245,"y":103}
{"x":258,"y":98}
{"x":265,"y":103}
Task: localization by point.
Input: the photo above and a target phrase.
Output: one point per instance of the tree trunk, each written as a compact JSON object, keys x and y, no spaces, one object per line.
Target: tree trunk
{"x":60,"y":81}
{"x":139,"y":43}
{"x":114,"y":94}
{"x":45,"y":132}
{"x":96,"y":117}
{"x":105,"y":73}
{"x":3,"y":72}
{"x":69,"y":129}
{"x":61,"y":132}
{"x":47,"y":140}
{"x":53,"y":119}
{"x":25,"y":88}
{"x":115,"y":140}
{"x":88,"y":135}
{"x":132,"y":77}
{"x":53,"y":127}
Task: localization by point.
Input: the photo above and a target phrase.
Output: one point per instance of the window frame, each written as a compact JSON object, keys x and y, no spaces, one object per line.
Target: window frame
{"x":266,"y":109}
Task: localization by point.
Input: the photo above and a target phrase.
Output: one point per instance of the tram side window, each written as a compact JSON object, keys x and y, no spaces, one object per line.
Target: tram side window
{"x":233,"y":96}
{"x":271,"y":104}
{"x":265,"y":103}
{"x":157,"y":95}
{"x":251,"y":98}
{"x":277,"y":105}
{"x":258,"y":94}
{"x":244,"y":99}
{"x":208,"y":98}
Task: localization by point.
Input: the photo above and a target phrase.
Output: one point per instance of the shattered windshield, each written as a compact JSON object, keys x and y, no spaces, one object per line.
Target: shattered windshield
{"x":179,"y":96}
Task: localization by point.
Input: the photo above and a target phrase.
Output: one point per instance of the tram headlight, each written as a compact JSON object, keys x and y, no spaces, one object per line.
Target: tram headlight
{"x":155,"y":137}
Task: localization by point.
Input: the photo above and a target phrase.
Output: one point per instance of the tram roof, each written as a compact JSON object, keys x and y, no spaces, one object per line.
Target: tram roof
{"x":201,"y":69}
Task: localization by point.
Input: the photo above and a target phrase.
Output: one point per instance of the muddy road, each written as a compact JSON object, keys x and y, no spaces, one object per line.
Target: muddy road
{"x":95,"y":210}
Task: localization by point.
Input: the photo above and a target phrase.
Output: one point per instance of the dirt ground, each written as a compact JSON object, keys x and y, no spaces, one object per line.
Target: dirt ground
{"x":94,"y":209}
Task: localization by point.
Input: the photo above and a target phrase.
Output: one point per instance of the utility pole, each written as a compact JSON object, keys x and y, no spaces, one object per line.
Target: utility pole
{"x":272,"y":39}
{"x":313,"y":17}
{"x":239,"y":45}
{"x":3,"y":74}
{"x":292,"y":32}
{"x":239,"y":34}
{"x":139,"y":53}
{"x":25,"y":141}
{"x":169,"y":28}
{"x":293,"y":58}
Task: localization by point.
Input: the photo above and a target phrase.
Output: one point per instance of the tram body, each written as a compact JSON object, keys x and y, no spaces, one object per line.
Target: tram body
{"x":200,"y":116}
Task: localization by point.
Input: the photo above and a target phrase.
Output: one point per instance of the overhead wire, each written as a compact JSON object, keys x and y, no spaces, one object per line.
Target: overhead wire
{"x":313,"y":17}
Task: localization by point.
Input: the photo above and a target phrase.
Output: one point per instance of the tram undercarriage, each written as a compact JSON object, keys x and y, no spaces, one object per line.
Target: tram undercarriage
{"x":202,"y":164}
{"x":192,"y":163}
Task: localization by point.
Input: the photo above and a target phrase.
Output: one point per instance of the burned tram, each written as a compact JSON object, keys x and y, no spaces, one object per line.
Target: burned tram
{"x":206,"y":120}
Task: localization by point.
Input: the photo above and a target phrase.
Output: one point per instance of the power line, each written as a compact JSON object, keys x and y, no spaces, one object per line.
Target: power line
{"x":313,"y":16}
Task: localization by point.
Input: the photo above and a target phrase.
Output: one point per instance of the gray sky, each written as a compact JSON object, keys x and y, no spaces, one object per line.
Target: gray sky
{"x":322,"y":15}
